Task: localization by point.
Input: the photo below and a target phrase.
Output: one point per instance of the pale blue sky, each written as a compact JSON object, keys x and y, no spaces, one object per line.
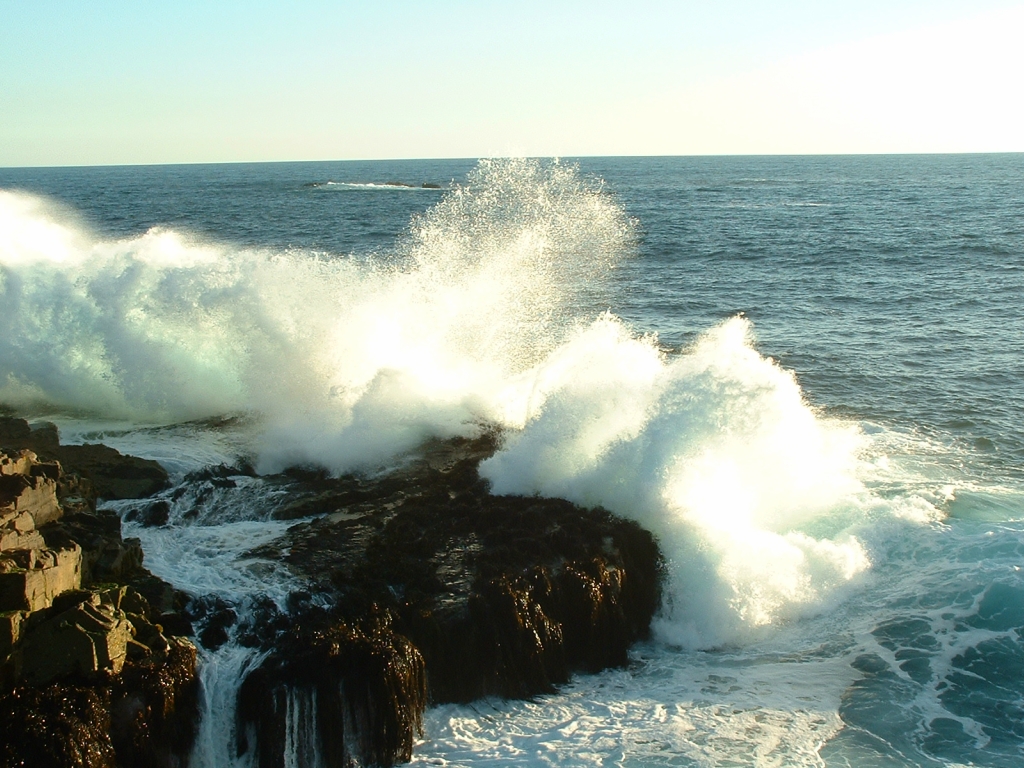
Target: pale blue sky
{"x":110,"y":81}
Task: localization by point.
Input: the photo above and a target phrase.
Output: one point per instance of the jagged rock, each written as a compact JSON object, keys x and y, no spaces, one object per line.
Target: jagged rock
{"x":262,"y":622}
{"x":16,"y":462}
{"x":155,"y":709}
{"x":31,"y":491}
{"x":59,"y":725}
{"x":44,"y":434}
{"x":11,"y":624}
{"x":90,"y":638}
{"x":497,"y":596}
{"x":432,"y":579}
{"x":111,"y":474}
{"x":13,"y":539}
{"x":41,"y":576}
{"x":214,"y":616}
{"x":504,"y":596}
{"x":145,"y":717}
{"x":13,"y":430}
{"x":162,"y":598}
{"x":107,"y":557}
{"x":353,"y":694}
{"x":114,"y":475}
{"x":91,"y":679}
{"x":150,"y":515}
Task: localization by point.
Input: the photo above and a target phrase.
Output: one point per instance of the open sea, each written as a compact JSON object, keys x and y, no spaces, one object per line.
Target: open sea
{"x":804,"y":374}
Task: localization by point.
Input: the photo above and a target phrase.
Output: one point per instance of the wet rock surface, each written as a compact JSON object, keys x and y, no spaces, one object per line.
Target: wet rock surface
{"x":353,"y":693}
{"x":419,"y":586}
{"x":88,"y":675}
{"x":438,"y":591}
{"x":144,"y":717}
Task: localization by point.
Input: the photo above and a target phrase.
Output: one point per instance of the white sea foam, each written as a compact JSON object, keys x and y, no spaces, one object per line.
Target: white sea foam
{"x":682,"y":708}
{"x":490,"y":310}
{"x":753,"y":496}
{"x":384,"y":185}
{"x":347,"y":363}
{"x":204,"y":559}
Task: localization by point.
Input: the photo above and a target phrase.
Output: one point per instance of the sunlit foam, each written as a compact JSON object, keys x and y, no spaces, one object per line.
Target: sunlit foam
{"x":714,"y":450}
{"x":487,"y":311}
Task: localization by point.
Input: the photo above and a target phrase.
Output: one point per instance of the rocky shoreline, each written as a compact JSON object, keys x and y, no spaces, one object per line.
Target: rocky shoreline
{"x":94,"y":668}
{"x":419,"y":588}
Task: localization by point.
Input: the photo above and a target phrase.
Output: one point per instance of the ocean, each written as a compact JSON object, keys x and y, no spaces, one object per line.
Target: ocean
{"x":805,"y":375}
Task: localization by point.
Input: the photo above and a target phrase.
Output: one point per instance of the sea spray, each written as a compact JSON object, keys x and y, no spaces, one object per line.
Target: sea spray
{"x":486,"y":284}
{"x":346,"y":362}
{"x":488,"y":311}
{"x":896,"y":298}
{"x":714,"y":450}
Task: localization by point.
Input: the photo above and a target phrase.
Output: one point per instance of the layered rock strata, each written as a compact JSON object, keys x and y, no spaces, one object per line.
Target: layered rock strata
{"x":87,"y":675}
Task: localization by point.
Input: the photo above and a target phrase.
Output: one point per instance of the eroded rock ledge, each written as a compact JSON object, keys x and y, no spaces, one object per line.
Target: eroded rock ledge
{"x":88,"y":677}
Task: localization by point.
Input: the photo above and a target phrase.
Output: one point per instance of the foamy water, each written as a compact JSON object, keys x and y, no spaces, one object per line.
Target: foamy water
{"x":835,"y":583}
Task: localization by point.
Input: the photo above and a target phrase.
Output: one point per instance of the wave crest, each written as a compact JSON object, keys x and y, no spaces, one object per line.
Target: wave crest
{"x":488,"y":311}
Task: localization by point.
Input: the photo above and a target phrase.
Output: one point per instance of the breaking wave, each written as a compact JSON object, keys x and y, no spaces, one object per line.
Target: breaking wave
{"x":492,"y":310}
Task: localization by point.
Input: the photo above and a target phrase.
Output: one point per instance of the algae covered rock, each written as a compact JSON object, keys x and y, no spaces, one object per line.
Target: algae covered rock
{"x":354,"y":694}
{"x":437,"y":591}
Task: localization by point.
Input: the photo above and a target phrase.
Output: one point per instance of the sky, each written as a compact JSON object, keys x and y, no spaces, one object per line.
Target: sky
{"x":118,"y":82}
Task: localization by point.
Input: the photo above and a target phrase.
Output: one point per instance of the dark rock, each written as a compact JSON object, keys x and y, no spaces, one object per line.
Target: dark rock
{"x":146,"y":716}
{"x":175,"y":623}
{"x":221,"y":473}
{"x":13,"y":432}
{"x":58,"y":725}
{"x":113,"y":475}
{"x":106,"y":557}
{"x":263,"y":622}
{"x":503,"y":596}
{"x":88,"y":676}
{"x":150,"y":515}
{"x":44,"y":435}
{"x":86,"y":640}
{"x":368,"y":682}
{"x":154,"y":709}
{"x":213,"y":616}
{"x":70,"y":599}
{"x":497,"y":596}
{"x":161,"y":596}
{"x":430,"y":579}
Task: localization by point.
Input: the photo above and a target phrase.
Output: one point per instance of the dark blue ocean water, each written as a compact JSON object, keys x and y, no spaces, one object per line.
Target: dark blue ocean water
{"x":891,"y":287}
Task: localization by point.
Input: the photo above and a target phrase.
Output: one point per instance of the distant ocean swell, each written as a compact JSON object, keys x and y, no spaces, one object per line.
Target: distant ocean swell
{"x":491,"y":310}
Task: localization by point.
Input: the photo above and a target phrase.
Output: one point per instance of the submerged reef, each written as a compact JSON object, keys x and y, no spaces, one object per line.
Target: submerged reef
{"x":417,"y":586}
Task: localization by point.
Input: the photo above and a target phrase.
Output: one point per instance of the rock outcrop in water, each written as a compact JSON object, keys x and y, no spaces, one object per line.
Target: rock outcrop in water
{"x":87,"y":675}
{"x":419,"y":587}
{"x":438,"y":592}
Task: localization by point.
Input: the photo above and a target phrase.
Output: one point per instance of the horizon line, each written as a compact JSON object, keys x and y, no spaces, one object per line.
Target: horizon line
{"x":488,"y":157}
